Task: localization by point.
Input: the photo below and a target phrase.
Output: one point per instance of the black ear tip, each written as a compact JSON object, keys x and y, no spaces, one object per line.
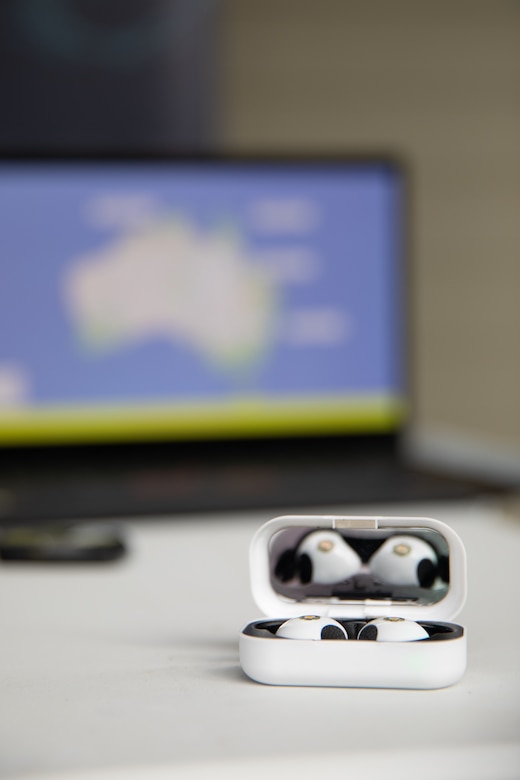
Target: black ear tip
{"x":368,"y":632}
{"x":332,"y":632}
{"x":304,"y":565}
{"x":426,"y":573}
{"x":286,"y":566}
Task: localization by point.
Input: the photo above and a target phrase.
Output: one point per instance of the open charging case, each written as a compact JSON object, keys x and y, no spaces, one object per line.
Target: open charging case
{"x":412,"y":568}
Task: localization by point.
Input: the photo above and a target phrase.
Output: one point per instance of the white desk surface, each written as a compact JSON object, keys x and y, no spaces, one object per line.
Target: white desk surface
{"x":130,"y":670}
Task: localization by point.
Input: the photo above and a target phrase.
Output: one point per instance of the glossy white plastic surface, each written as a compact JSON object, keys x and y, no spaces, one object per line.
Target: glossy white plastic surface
{"x":355,"y":664}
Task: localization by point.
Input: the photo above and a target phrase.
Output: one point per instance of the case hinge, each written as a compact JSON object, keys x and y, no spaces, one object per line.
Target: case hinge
{"x":354,"y":522}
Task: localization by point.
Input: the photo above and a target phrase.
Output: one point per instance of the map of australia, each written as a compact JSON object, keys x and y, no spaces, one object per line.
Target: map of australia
{"x":171,"y":279}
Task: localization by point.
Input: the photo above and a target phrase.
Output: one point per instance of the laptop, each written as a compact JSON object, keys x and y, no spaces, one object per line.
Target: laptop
{"x":195,"y":334}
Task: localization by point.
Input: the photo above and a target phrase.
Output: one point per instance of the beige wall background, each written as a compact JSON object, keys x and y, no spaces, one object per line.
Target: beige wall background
{"x":439,"y":84}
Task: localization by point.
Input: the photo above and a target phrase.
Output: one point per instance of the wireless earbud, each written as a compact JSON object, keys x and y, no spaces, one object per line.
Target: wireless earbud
{"x":405,"y":560}
{"x":325,"y":558}
{"x":312,"y":627}
{"x":392,"y":629}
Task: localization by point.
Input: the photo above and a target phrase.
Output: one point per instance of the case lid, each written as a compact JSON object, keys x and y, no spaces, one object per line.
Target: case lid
{"x":358,"y":567}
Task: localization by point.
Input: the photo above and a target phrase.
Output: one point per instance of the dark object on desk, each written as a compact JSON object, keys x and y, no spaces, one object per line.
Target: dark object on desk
{"x":97,"y":542}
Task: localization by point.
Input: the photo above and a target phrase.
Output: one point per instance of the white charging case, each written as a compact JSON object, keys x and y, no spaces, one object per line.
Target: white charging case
{"x":434,"y":662}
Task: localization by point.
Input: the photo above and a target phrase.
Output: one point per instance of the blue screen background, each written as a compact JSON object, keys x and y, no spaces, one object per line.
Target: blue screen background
{"x":354,"y":239}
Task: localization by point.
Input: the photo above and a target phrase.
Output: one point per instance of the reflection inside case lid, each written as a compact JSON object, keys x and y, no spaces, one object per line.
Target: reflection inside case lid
{"x":403,"y":565}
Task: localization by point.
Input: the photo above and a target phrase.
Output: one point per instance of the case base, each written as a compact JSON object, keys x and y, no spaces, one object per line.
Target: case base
{"x":426,"y":664}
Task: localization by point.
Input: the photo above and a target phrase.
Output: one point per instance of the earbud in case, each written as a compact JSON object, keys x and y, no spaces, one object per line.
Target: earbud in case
{"x":385,"y":587}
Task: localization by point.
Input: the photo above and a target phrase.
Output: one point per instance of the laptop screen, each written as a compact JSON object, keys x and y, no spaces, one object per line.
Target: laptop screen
{"x":145,"y":300}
